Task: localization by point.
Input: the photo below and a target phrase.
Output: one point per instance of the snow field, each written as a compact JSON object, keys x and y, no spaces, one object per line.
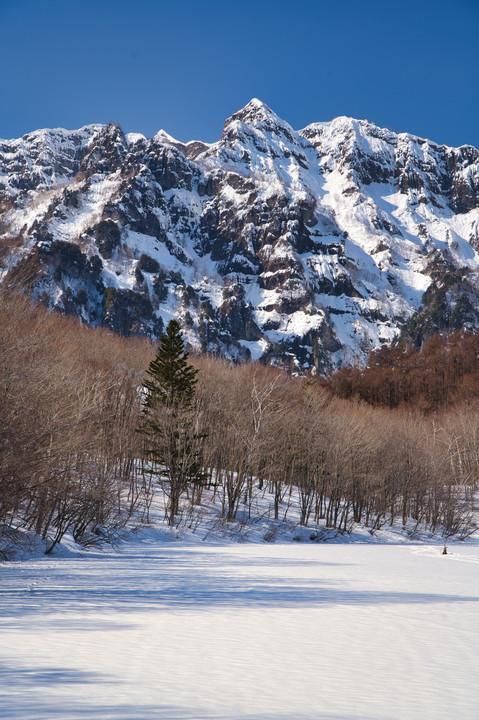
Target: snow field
{"x":258,"y":632}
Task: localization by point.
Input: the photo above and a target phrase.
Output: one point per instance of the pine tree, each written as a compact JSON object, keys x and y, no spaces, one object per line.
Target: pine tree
{"x":170,"y":419}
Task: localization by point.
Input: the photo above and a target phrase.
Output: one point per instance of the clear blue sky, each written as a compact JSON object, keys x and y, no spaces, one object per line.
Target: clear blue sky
{"x":411,"y":65}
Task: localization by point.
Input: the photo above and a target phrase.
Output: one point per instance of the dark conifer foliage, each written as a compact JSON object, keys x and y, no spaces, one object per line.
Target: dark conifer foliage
{"x":170,"y":418}
{"x":172,"y":379}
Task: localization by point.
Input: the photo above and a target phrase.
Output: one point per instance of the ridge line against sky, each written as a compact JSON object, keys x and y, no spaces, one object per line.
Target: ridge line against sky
{"x":186,"y":67}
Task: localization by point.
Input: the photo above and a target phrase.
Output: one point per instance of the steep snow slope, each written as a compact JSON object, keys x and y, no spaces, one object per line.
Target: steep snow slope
{"x":310,"y":246}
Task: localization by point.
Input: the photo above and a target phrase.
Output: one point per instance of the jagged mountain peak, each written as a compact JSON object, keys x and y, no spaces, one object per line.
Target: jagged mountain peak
{"x":163,"y":137}
{"x":255,"y":139}
{"x":256,"y":112}
{"x":258,"y":116}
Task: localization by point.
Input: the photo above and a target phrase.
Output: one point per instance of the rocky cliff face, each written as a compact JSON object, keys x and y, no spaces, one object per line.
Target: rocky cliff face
{"x":309,"y":247}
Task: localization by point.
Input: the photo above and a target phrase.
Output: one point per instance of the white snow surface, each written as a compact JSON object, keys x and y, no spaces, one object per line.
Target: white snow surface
{"x":196,"y":630}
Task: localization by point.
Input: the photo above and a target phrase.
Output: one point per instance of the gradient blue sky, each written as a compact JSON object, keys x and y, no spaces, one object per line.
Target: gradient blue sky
{"x":186,"y":66}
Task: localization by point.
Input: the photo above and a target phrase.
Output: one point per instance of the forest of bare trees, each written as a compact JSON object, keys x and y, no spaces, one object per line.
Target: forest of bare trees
{"x":72,"y":459}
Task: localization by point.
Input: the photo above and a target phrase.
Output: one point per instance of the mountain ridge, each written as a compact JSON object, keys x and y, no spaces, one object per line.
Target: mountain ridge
{"x":307,"y":247}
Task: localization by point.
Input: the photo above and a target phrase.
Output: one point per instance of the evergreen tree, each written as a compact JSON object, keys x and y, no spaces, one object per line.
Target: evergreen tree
{"x":170,"y":418}
{"x":172,"y":379}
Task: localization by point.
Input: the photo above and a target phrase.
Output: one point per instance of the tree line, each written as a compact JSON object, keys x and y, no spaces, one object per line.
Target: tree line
{"x":92,"y":424}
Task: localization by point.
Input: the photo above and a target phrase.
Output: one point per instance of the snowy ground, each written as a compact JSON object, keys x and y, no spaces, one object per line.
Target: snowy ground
{"x":168,"y":630}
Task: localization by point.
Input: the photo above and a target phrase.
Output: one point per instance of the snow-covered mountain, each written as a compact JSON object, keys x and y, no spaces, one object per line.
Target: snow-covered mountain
{"x":314,"y":245}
